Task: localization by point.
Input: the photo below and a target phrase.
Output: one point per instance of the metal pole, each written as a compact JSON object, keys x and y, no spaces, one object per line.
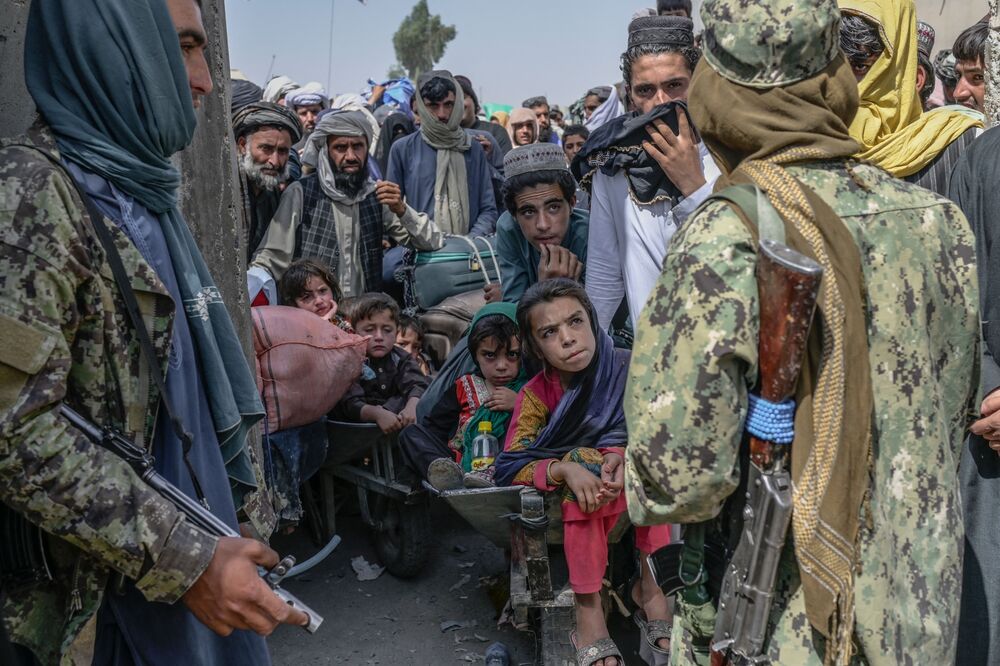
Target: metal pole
{"x":329,"y":55}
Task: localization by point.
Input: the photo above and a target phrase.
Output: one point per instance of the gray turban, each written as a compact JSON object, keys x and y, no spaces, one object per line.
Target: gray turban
{"x":264,"y":114}
{"x":336,"y":123}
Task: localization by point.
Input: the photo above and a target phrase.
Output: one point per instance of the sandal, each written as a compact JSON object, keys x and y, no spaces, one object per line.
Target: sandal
{"x":653,"y":631}
{"x":600,"y":649}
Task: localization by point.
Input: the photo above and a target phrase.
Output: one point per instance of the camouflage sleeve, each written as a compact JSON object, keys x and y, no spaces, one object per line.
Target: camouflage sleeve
{"x":694,"y":357}
{"x":48,"y":471}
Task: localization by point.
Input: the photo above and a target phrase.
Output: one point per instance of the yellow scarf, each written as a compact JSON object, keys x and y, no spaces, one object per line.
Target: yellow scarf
{"x":891,"y":126}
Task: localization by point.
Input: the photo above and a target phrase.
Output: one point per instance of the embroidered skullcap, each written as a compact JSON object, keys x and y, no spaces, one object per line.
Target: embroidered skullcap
{"x":925,"y":38}
{"x":661,"y":31}
{"x":534,"y":157}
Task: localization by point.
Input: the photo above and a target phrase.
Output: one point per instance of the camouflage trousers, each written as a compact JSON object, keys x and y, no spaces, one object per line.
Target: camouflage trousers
{"x":792,"y":640}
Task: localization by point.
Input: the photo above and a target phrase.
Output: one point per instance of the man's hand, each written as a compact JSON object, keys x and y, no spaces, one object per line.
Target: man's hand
{"x":409,"y":413}
{"x":988,"y":427}
{"x":677,"y":154}
{"x":556,"y":261}
{"x":389,"y":194}
{"x":502,"y":400}
{"x":230,"y":594}
{"x":492,"y":292}
{"x":485,"y":142}
{"x":387,"y":421}
{"x":578,"y":478}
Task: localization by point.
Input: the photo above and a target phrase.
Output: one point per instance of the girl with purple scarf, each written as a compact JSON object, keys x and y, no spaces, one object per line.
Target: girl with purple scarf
{"x":567,"y":434}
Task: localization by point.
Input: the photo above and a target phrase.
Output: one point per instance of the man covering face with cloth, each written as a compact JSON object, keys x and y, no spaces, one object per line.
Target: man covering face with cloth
{"x":440,"y":170}
{"x":338,"y":214}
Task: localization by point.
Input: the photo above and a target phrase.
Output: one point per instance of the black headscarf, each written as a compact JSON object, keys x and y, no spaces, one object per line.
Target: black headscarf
{"x":396,"y":126}
{"x":244,"y":93}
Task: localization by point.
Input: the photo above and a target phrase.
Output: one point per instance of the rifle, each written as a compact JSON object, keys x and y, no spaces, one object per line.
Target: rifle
{"x":142,"y":463}
{"x":788,"y":285}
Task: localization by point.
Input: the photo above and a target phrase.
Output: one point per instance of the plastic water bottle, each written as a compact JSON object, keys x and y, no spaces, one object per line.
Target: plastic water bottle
{"x":485,"y":447}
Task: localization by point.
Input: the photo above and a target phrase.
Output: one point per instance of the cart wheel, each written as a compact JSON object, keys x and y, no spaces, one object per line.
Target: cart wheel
{"x":554,"y":645}
{"x":403,"y":543}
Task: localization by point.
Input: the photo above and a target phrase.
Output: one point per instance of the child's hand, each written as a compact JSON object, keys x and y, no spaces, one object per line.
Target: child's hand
{"x":584,"y":485}
{"x":502,"y":400}
{"x":409,"y":413}
{"x":387,"y":421}
{"x":613,"y":471}
{"x":612,"y":478}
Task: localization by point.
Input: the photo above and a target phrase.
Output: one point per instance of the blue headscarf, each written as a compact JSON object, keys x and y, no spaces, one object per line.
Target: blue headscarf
{"x":109,"y":79}
{"x":591,"y":413}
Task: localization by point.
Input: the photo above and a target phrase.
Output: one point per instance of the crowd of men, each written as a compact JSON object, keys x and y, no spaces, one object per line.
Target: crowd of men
{"x":868,"y":146}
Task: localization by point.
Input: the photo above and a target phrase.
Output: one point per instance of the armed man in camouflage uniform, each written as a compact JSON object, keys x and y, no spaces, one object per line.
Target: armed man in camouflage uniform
{"x":872,"y":569}
{"x":117,"y":82}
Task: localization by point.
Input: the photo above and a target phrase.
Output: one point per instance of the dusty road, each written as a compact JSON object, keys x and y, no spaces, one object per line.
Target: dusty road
{"x":389,"y":621}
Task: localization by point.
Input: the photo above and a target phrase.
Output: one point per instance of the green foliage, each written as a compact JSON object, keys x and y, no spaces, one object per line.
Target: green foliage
{"x":395,"y":72}
{"x":421,"y":40}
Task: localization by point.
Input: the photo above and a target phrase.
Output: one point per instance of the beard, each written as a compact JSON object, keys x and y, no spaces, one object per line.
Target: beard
{"x":255,"y":174}
{"x":350,"y":184}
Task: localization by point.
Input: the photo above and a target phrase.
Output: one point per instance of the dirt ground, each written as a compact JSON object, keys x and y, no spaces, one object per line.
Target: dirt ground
{"x":389,"y":621}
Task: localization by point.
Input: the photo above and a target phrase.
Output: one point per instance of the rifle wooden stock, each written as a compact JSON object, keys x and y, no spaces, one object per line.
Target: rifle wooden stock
{"x":788,"y":284}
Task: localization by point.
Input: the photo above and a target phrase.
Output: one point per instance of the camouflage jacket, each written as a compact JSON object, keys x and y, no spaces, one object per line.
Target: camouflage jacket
{"x":695,"y":360}
{"x":66,"y":337}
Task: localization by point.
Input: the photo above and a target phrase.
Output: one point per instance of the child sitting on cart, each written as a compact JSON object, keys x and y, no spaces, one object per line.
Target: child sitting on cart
{"x":568,"y":435}
{"x":439,"y":447}
{"x":311,"y":285}
{"x":411,"y":340}
{"x":388,"y":394}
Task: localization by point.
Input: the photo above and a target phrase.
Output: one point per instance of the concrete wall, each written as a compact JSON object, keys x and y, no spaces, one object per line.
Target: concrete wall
{"x":210,"y":196}
{"x":16,"y":108}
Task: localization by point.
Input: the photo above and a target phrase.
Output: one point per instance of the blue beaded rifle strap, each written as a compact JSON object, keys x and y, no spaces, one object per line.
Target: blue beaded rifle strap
{"x":771,"y":421}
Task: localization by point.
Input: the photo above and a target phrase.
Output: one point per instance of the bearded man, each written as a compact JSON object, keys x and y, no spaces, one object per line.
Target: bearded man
{"x":338,"y":214}
{"x":265,"y":133}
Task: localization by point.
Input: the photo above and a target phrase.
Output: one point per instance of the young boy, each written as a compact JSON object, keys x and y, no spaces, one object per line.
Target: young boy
{"x":311,"y":285}
{"x":439,"y":447}
{"x":411,"y":340}
{"x":389,"y":398}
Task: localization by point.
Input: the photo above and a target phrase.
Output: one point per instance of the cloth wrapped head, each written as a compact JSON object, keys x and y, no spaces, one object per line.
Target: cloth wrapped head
{"x":266,"y":114}
{"x":244,"y":92}
{"x":308,"y":95}
{"x":279,"y":87}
